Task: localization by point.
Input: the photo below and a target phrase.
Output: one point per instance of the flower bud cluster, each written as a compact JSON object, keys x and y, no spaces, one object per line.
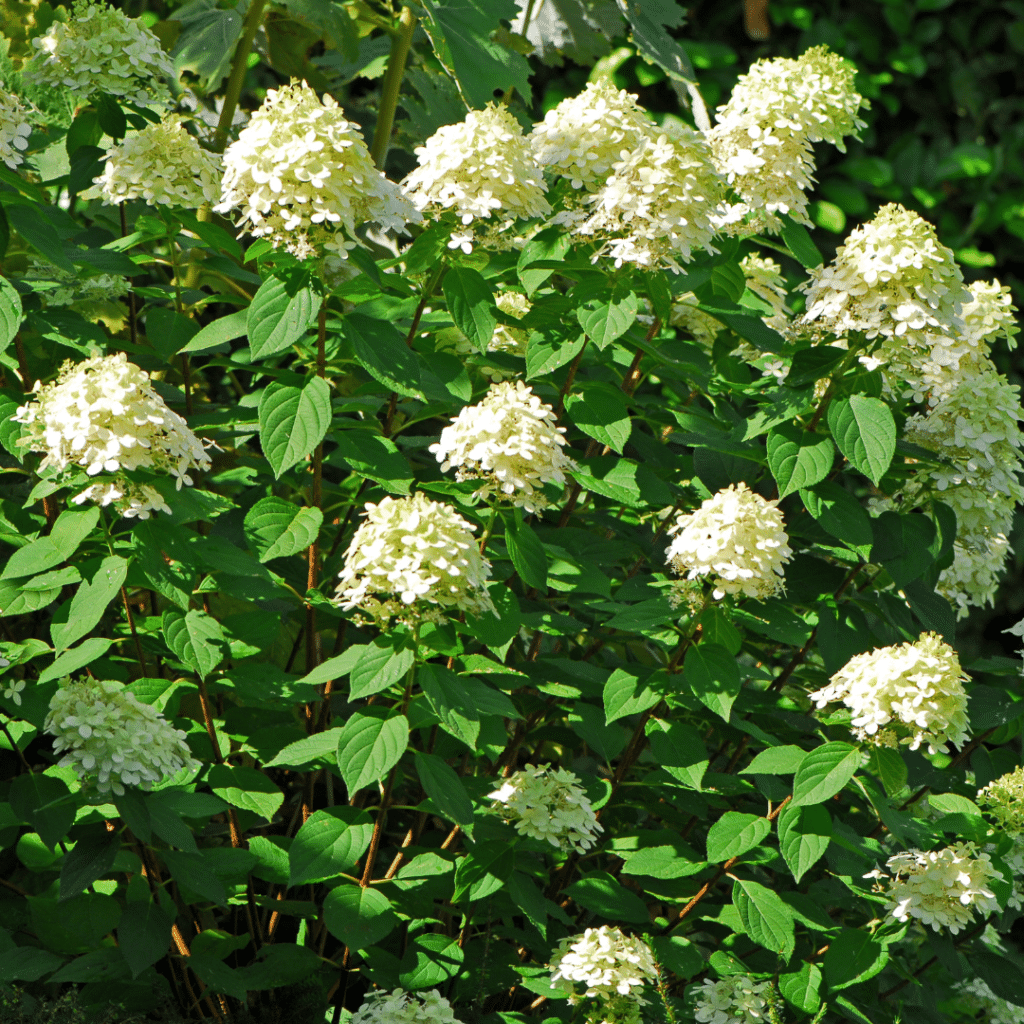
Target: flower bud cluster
{"x":401,"y":1007}
{"x":14,"y":129}
{"x":737,"y":999}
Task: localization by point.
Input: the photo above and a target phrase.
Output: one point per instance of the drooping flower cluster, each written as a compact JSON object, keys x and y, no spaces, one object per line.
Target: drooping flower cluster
{"x":14,"y":129}
{"x":762,"y":142}
{"x":109,"y":736}
{"x":941,"y":888}
{"x":657,"y":206}
{"x":610,"y":964}
{"x":483,"y":169}
{"x":414,"y":558}
{"x":585,"y":135}
{"x":101,"y":50}
{"x":914,"y":691}
{"x":1003,"y":799}
{"x":104,"y":416}
{"x":548,"y":803}
{"x":982,"y":1000}
{"x":401,"y":1007}
{"x":737,"y":538}
{"x":163,"y":165}
{"x":132,"y":500}
{"x":510,"y":442}
{"x":303,"y":178}
{"x":737,"y":999}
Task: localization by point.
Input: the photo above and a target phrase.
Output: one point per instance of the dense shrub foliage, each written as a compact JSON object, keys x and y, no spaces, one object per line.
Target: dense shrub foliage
{"x":468,"y":555}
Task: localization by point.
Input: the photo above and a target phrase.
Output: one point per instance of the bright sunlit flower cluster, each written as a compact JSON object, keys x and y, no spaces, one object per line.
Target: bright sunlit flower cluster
{"x":401,"y":1007}
{"x":606,"y":961}
{"x":548,"y":804}
{"x":108,"y":735}
{"x":737,"y":999}
{"x":14,"y":129}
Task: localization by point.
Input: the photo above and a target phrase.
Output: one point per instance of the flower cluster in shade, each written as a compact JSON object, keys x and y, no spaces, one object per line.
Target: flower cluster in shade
{"x":105,"y":417}
{"x":911,"y":693}
{"x":14,"y":129}
{"x":56,"y":287}
{"x":548,"y":804}
{"x":737,"y":539}
{"x":941,"y":888}
{"x":736,"y":999}
{"x":506,"y":340}
{"x":111,"y":738}
{"x":302,"y":177}
{"x":979,"y":999}
{"x":98,"y":49}
{"x":162,"y":165}
{"x":1003,"y":800}
{"x":413,"y":558}
{"x":510,"y":442}
{"x":482,"y":169}
{"x":401,"y":1007}
{"x":762,"y":143}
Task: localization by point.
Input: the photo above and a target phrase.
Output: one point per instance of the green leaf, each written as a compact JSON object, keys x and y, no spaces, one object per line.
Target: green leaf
{"x":383,"y":354}
{"x":712,"y":674}
{"x":76,"y":925}
{"x":99,"y":966}
{"x":246,"y":788}
{"x":802,"y":989}
{"x":734,"y":834}
{"x":902,"y":545}
{"x":766,"y":919}
{"x":358,"y":917}
{"x":865,"y":432}
{"x":678,"y":954}
{"x":679,"y":750}
{"x":625,"y":695}
{"x":10,"y":313}
{"x":776,"y":761}
{"x":599,"y":893}
{"x":1000,"y":973}
{"x":143,"y":935}
{"x":445,"y":789}
{"x":45,"y":803}
{"x":328,"y":844}
{"x":839,"y":513}
{"x":375,"y":457}
{"x":70,"y":529}
{"x":317,"y":749}
{"x":662,"y":862}
{"x":823,"y":772}
{"x":483,"y":871}
{"x":853,"y":956}
{"x":544,"y":355}
{"x":379,"y":666}
{"x":798,"y":458}
{"x":647,"y":21}
{"x":279,"y":316}
{"x":605,"y":322}
{"x":527,"y":553}
{"x":78,"y":657}
{"x":219,"y":332}
{"x":31,"y":224}
{"x":218,"y":976}
{"x":27,"y":963}
{"x":91,"y":858}
{"x":550,"y":245}
{"x":293,"y":421}
{"x":600,"y":411}
{"x":798,"y":240}
{"x":195,"y":638}
{"x":431,"y":960}
{"x":276,"y":528}
{"x":451,"y":702}
{"x":471,"y":305}
{"x":889,"y":766}
{"x":89,"y":603}
{"x":369,"y":746}
{"x":207,"y":41}
{"x":803,"y":837}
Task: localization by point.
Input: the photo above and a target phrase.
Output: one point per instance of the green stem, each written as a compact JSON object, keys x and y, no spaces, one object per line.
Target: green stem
{"x":401,"y":41}
{"x":239,"y":67}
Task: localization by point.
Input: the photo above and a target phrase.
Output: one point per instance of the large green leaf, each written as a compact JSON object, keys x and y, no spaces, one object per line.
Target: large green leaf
{"x":89,"y":603}
{"x":824,"y":771}
{"x":802,"y":989}
{"x":445,"y":789}
{"x":598,"y":892}
{"x":378,"y":666}
{"x":91,"y":858}
{"x":451,"y":702}
{"x":45,"y":803}
{"x":144,"y":935}
{"x":358,"y":917}
{"x":276,"y":528}
{"x":604,"y":322}
{"x":766,"y":919}
{"x":734,"y":834}
{"x":471,"y":305}
{"x":328,"y":844}
{"x":369,"y":746}
{"x":712,"y":674}
{"x":798,"y":458}
{"x":865,"y":432}
{"x":10,"y":313}
{"x":527,"y":553}
{"x":246,"y":788}
{"x":382,"y":352}
{"x":280,"y":314}
{"x":803,"y":837}
{"x":196,"y":638}
{"x":600,"y":411}
{"x":207,"y":41}
{"x":293,"y":421}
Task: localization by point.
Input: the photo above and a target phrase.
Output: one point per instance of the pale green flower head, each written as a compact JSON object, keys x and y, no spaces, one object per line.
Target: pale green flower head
{"x":14,"y":129}
{"x":1003,"y":799}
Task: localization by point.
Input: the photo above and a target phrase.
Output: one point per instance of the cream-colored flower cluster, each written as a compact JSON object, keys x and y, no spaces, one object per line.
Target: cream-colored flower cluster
{"x":303,"y":178}
{"x":658,"y":205}
{"x":14,"y":129}
{"x":549,"y":804}
{"x":104,"y":416}
{"x":609,"y":963}
{"x":163,"y":165}
{"x":1003,"y":799}
{"x":101,"y":50}
{"x":414,"y":558}
{"x":585,"y":135}
{"x":510,"y":442}
{"x":981,"y":1000}
{"x":133,"y":501}
{"x":511,"y":340}
{"x":737,"y":999}
{"x":736,"y":538}
{"x":108,"y":735}
{"x":483,"y":169}
{"x":401,"y":1007}
{"x":762,"y":142}
{"x":701,"y":326}
{"x":912,"y":692}
{"x":941,"y":888}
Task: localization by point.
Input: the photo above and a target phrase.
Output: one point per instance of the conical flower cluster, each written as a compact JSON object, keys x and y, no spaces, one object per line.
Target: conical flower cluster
{"x":737,"y":999}
{"x":1003,"y":799}
{"x":14,"y":129}
{"x":162,"y":165}
{"x":108,"y":736}
{"x":548,"y":804}
{"x":414,"y":558}
{"x":606,"y":961}
{"x":910,"y":692}
{"x":101,"y":50}
{"x":401,"y":1007}
{"x":303,"y":178}
{"x":737,"y":539}
{"x":510,"y":442}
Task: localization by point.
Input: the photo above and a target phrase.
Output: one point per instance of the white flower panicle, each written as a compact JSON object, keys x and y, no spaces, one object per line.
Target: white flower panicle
{"x":510,"y":442}
{"x":14,"y":129}
{"x":303,"y":178}
{"x":608,"y":962}
{"x":420,"y":556}
{"x":586,"y":135}
{"x":914,"y":689}
{"x":657,"y":206}
{"x":981,"y":999}
{"x":104,"y":416}
{"x":1003,"y":799}
{"x":481,"y":168}
{"x":737,"y":999}
{"x":108,"y":735}
{"x":133,"y":501}
{"x":941,"y":888}
{"x":549,"y":804}
{"x":401,"y":1007}
{"x":990,"y":315}
{"x":101,"y":50}
{"x":737,"y":539}
{"x":163,"y":165}
{"x":762,"y":142}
